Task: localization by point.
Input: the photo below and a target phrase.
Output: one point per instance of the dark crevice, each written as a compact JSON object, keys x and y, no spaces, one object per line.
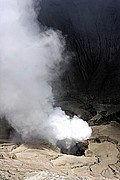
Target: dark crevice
{"x":75,"y":148}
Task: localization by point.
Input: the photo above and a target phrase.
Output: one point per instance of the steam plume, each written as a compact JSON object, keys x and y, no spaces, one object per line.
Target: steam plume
{"x":26,"y":56}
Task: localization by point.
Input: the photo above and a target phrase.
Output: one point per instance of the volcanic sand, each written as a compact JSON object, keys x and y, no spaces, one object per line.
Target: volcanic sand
{"x":39,"y":160}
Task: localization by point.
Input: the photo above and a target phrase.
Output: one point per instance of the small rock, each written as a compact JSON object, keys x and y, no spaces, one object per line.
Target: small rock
{"x":88,"y":153}
{"x":1,"y":156}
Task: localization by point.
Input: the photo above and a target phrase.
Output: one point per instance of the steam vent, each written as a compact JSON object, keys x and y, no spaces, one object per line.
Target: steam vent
{"x":60,"y":90}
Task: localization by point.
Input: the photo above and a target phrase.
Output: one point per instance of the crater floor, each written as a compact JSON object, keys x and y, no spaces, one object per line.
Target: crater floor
{"x":39,"y":160}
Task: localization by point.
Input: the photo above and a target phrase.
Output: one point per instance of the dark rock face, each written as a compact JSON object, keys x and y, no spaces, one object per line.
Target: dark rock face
{"x":8,"y":133}
{"x":92,"y":31}
{"x":73,"y":148}
{"x":5,"y":129}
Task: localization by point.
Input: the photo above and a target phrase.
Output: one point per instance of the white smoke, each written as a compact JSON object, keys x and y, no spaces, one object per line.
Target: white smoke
{"x":26,"y":56}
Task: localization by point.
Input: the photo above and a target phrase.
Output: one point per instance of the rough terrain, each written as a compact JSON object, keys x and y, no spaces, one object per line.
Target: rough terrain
{"x":39,"y":160}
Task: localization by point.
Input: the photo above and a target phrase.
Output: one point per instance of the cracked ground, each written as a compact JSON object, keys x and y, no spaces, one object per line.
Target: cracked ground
{"x":39,"y":160}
